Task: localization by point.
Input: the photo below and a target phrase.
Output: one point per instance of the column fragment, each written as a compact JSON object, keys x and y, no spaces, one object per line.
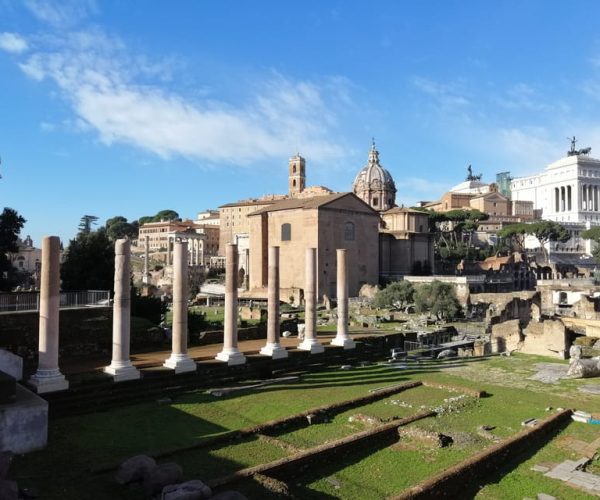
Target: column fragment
{"x":48,"y":377}
{"x":179,"y":359}
{"x":273,"y":347}
{"x":230,"y":353}
{"x":120,"y":367}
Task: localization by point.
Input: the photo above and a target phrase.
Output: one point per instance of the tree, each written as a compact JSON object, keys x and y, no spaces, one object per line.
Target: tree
{"x":89,"y":262}
{"x":545,"y":231}
{"x":118,"y":227}
{"x":396,"y":295}
{"x":86,"y":223}
{"x":166,"y":215}
{"x":437,"y":298}
{"x":11,"y":224}
{"x":594,"y":235}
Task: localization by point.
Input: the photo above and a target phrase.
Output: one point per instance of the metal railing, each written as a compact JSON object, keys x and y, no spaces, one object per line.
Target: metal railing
{"x":30,"y":301}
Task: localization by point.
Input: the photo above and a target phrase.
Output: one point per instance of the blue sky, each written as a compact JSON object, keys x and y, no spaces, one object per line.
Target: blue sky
{"x":126,"y":108}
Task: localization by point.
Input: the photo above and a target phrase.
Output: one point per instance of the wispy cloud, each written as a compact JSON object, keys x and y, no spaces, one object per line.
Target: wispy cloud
{"x":13,"y":43}
{"x":61,"y":13}
{"x":447,"y":95}
{"x":122,"y":98}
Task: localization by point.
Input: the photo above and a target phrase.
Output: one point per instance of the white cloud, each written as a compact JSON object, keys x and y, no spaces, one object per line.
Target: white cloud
{"x":13,"y":43}
{"x":447,"y":95}
{"x":61,"y":13}
{"x":107,"y":89}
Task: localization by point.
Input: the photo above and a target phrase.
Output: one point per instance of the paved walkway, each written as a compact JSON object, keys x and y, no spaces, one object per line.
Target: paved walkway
{"x":204,"y":354}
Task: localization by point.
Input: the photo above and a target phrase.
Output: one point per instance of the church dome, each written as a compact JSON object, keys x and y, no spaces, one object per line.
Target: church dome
{"x":374,"y":184}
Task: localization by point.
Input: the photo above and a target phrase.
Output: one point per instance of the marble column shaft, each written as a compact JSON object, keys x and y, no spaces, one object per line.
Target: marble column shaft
{"x":120,"y":366}
{"x":179,"y":359}
{"x":48,"y":377}
{"x":230,"y":352}
{"x":342,"y":338}
{"x":310,"y":342}
{"x":273,"y":347}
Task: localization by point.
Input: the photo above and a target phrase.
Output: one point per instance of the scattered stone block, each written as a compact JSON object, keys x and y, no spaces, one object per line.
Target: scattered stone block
{"x":544,"y":496}
{"x":6,"y":458}
{"x":530,"y":422}
{"x":346,"y":367}
{"x":190,"y":490}
{"x":160,"y":476}
{"x":447,"y":353}
{"x":9,"y":490}
{"x":540,"y":468}
{"x":12,"y":364}
{"x":134,"y":469}
{"x":286,"y":334}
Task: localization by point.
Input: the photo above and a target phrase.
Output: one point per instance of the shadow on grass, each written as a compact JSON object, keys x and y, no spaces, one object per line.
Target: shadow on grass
{"x":470,"y":487}
{"x":77,"y":445}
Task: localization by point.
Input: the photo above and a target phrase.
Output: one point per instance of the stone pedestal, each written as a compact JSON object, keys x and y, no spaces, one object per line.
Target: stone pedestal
{"x":179,"y":359}
{"x":48,"y":377}
{"x":120,"y":367}
{"x":310,"y":342}
{"x":24,"y":422}
{"x":342,"y":338}
{"x":273,"y":347}
{"x":230,"y":353}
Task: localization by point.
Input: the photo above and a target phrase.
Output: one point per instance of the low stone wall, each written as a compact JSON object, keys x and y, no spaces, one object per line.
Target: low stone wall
{"x":451,"y":482}
{"x":81,"y":331}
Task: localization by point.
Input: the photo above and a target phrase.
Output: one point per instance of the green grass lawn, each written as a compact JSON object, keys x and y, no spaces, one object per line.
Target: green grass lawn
{"x":79,"y":443}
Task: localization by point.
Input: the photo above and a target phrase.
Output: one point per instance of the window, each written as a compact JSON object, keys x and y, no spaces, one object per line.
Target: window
{"x":375,"y":202}
{"x":349,"y":231}
{"x":286,"y":232}
{"x":294,"y":168}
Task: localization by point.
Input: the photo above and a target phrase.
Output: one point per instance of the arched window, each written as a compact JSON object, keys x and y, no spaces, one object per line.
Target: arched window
{"x":286,"y":232}
{"x":349,"y":231}
{"x":294,"y":183}
{"x":294,"y":168}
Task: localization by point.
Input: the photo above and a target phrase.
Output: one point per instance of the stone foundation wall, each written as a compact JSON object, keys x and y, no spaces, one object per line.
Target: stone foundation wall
{"x":546,"y":338}
{"x":81,"y":330}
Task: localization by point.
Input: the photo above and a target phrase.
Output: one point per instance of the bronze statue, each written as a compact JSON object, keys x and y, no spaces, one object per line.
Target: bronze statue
{"x":471,"y":177}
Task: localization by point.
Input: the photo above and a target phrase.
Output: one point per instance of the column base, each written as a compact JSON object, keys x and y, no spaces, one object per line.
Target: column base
{"x":231,"y":356}
{"x":122,"y":371}
{"x":346,"y":343}
{"x":312,"y":345}
{"x":48,"y":381}
{"x":274,"y":350}
{"x":181,"y":363}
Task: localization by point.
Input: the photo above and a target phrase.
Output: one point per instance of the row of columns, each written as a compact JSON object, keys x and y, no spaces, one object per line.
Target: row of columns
{"x":48,"y":377}
{"x":562,"y":199}
{"x":195,"y":255}
{"x":589,"y":198}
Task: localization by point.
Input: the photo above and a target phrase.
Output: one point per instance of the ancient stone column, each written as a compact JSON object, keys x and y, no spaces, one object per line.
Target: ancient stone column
{"x":179,"y":359}
{"x":168,"y":251}
{"x":120,"y":367}
{"x":48,"y":378}
{"x":230,"y":353}
{"x":273,"y":347}
{"x":310,"y":342}
{"x":342,"y":338}
{"x":146,"y":277}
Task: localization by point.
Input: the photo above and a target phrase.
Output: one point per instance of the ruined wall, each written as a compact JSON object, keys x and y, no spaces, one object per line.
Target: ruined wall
{"x":545,"y":338}
{"x":503,"y":307}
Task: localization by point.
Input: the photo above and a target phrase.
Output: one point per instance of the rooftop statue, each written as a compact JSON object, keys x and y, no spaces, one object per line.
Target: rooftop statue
{"x":577,"y":152}
{"x":471,"y":177}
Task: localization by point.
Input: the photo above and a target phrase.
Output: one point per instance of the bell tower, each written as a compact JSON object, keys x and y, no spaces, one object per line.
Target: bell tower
{"x":296,"y":175}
